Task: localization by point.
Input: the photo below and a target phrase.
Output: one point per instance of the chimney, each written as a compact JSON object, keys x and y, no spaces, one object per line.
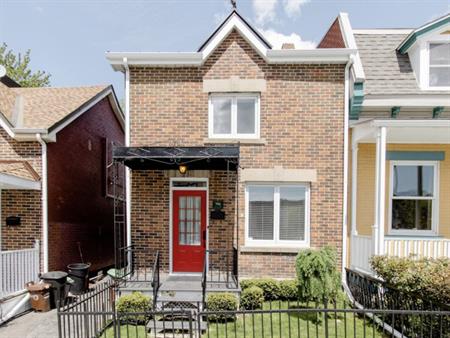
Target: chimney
{"x":288,"y":45}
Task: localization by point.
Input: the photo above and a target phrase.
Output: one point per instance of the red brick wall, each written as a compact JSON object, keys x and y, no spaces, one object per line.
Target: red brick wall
{"x":333,"y":37}
{"x":302,"y":113}
{"x":79,"y":212}
{"x":23,"y":203}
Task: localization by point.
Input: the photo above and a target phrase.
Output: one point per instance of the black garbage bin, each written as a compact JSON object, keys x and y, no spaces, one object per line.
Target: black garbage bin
{"x":57,"y":280}
{"x":79,"y":273}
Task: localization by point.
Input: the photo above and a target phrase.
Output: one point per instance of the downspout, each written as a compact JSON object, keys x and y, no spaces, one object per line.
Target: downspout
{"x":127,"y":144}
{"x":345,"y":187}
{"x":44,"y":200}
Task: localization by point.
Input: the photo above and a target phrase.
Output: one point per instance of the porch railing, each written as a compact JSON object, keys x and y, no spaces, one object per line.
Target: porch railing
{"x":404,"y":247}
{"x":17,"y":267}
{"x":156,"y":278}
{"x":361,"y":252}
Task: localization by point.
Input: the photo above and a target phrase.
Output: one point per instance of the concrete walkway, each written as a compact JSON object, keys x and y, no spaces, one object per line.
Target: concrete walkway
{"x":32,"y":325}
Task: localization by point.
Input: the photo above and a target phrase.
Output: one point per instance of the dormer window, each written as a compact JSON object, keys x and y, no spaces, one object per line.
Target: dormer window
{"x":439,"y":69}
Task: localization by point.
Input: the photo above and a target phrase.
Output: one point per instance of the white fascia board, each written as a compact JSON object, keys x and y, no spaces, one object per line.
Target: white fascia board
{"x":430,"y":100}
{"x":154,"y":59}
{"x":5,"y":125}
{"x":350,"y":42}
{"x":383,"y":31}
{"x":13,"y":182}
{"x":412,"y":123}
{"x":235,"y":23}
{"x":319,"y":55}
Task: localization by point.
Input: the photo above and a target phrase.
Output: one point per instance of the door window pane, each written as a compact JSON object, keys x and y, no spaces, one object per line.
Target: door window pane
{"x":411,"y":214}
{"x":292,"y":213}
{"x":412,"y":180}
{"x":261,"y":211}
{"x":246,"y":115}
{"x":222,"y":115}
{"x":189,"y":220}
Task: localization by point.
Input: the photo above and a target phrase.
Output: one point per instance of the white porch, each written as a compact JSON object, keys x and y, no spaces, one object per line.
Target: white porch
{"x":387,"y":216}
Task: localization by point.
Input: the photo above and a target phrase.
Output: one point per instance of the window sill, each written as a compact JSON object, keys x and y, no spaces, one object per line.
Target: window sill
{"x":248,"y":141}
{"x":268,"y":249}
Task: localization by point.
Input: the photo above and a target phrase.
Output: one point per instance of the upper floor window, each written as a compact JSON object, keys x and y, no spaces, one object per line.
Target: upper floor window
{"x":413,"y":196}
{"x":234,"y":116}
{"x":439,"y":65}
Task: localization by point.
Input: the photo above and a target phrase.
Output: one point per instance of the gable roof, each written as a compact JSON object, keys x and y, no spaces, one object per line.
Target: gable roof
{"x":47,"y":109}
{"x":409,"y":40}
{"x":121,"y":60}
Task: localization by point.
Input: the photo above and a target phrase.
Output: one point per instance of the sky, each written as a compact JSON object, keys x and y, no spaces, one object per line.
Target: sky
{"x":69,"y":38}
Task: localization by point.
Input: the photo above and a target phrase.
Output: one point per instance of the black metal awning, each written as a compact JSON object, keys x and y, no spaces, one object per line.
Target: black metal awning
{"x":165,"y":158}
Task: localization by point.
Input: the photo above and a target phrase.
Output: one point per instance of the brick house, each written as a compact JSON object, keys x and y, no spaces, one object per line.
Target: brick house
{"x":399,"y":153}
{"x":53,"y":179}
{"x":236,"y":153}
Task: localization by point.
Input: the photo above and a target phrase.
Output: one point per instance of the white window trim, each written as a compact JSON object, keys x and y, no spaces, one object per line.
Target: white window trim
{"x":426,"y":65}
{"x":435,"y":199}
{"x":234,"y":134}
{"x":276,"y":242}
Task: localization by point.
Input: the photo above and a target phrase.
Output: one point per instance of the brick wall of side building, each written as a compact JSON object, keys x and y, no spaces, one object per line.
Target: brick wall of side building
{"x":302,"y":115}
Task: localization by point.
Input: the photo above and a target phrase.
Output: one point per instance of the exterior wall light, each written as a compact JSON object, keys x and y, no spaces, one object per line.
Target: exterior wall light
{"x":182,"y":169}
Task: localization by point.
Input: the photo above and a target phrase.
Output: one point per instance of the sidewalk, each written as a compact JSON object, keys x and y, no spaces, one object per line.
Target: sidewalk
{"x":32,"y":325}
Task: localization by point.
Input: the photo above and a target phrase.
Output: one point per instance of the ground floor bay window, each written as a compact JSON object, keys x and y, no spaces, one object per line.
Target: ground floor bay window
{"x":277,"y":215}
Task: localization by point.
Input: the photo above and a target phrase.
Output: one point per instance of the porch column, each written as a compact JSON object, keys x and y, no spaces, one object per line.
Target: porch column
{"x":380,"y":183}
{"x":354,"y":230}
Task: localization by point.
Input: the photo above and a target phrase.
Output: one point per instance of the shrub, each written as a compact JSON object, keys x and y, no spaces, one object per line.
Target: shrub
{"x":252,"y":298}
{"x":288,"y":289}
{"x":221,"y":301}
{"x":426,"y":277}
{"x":317,"y":274}
{"x":132,"y":303}
{"x":270,"y":287}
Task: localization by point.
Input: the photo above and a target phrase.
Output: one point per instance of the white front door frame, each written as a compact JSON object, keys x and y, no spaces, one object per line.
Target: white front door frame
{"x":172,"y":189}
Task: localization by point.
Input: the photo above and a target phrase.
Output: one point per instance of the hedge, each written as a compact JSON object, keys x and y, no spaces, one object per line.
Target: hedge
{"x":252,"y":298}
{"x":221,"y":301}
{"x":132,"y":303}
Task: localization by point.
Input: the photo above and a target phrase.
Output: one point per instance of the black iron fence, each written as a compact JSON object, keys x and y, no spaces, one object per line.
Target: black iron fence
{"x":373,"y":293}
{"x":94,"y":315}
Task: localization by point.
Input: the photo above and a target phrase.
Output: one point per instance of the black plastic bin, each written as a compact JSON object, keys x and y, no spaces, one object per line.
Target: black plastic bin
{"x":57,"y":279}
{"x":79,"y":273}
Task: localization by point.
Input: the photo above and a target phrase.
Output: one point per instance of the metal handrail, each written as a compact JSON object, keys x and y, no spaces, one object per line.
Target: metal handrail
{"x":204,"y":275}
{"x":156,"y":278}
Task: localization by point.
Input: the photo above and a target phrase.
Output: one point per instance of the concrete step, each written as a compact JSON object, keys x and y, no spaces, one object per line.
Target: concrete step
{"x":180,"y":296}
{"x":162,"y":326}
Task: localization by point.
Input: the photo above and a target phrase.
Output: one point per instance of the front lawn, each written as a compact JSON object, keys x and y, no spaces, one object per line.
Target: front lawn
{"x":126,"y":331}
{"x":293,"y":324}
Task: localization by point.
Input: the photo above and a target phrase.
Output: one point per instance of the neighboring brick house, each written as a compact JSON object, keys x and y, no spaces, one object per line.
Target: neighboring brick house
{"x":400,"y":140}
{"x":53,"y":176}
{"x":261,"y":134}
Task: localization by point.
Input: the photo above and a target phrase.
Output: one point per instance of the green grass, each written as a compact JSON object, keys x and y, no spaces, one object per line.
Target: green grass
{"x":297,"y":323}
{"x":127,"y":331}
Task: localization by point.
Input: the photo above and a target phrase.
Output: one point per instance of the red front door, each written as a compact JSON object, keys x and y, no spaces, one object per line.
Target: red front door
{"x":189,"y":230}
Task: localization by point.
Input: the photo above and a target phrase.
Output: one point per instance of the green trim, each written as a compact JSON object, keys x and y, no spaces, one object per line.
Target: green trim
{"x":394,"y":112}
{"x":437,"y":112}
{"x":356,"y":100}
{"x":404,"y":46}
{"x":415,"y":155}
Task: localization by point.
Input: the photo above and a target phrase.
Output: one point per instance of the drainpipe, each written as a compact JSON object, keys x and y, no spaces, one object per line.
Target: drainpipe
{"x":345,"y":188}
{"x":44,"y":199}
{"x":127,"y":144}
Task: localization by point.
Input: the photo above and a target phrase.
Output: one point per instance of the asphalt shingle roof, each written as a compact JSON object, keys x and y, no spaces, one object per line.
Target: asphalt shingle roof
{"x":20,"y":169}
{"x":387,"y":71}
{"x":41,"y":108}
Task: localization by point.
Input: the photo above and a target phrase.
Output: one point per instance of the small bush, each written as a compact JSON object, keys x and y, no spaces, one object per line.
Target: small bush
{"x":222,"y":301}
{"x":252,"y":298}
{"x":135,"y":302}
{"x":426,"y":277}
{"x":317,"y":274}
{"x":269,"y":286}
{"x":288,"y":289}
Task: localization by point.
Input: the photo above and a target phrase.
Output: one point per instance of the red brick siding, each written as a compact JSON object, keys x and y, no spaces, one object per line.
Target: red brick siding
{"x":79,"y":212}
{"x":301,"y":121}
{"x":333,"y":37}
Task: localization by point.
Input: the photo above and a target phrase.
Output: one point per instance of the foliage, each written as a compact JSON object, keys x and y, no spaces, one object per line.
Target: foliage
{"x":426,"y":277}
{"x":317,"y":274}
{"x":252,"y":298}
{"x":269,"y":286}
{"x":132,"y":303}
{"x":18,"y":68}
{"x":288,"y":289}
{"x":221,"y":301}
